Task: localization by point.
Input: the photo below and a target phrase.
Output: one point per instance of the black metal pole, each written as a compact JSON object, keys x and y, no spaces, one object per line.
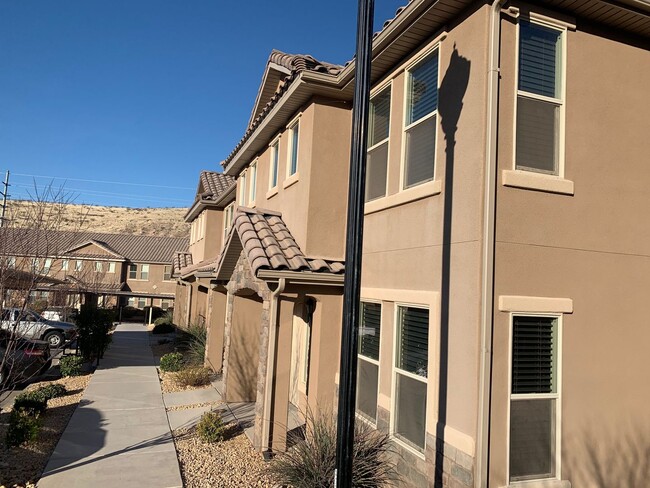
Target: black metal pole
{"x":353,"y":248}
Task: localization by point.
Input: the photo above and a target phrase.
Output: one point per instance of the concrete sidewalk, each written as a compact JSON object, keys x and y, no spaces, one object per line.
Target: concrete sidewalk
{"x":119,"y":435}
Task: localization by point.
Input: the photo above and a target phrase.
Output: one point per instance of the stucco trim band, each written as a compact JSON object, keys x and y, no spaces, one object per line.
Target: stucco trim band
{"x":405,"y":196}
{"x":512,"y":303}
{"x":536,"y":181}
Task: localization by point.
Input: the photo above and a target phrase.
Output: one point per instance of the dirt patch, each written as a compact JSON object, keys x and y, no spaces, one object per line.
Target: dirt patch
{"x":23,"y":466}
{"x":231,"y":463}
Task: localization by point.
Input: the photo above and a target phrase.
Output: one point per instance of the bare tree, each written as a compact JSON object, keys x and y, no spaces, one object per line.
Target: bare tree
{"x":30,"y":244}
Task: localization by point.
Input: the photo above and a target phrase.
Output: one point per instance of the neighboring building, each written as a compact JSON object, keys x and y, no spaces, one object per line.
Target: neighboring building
{"x":115,"y":269}
{"x":503,"y":288}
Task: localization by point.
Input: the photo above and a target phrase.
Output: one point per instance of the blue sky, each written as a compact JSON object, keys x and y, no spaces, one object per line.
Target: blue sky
{"x":145,"y":92}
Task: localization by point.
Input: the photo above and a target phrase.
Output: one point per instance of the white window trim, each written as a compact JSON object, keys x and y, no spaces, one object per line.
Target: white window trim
{"x":99,"y":267}
{"x":241,"y":201}
{"x":295,"y":122}
{"x":393,"y":387}
{"x":140,"y":270}
{"x":274,"y":149}
{"x":228,"y":213}
{"x":557,"y":396}
{"x":78,"y":265}
{"x":252,"y":187}
{"x":360,"y":414}
{"x":436,"y":46}
{"x":111,"y":267}
{"x":528,"y":178}
{"x":378,"y":90}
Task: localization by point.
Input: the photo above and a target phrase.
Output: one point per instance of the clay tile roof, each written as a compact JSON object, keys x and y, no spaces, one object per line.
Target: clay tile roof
{"x":269,"y":245}
{"x":295,"y":63}
{"x":180,"y":261}
{"x":213,"y":184}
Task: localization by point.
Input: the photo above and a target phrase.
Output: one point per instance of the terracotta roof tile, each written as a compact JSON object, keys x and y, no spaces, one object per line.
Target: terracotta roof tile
{"x":268,"y":244}
{"x":213,"y":184}
{"x":180,"y":261}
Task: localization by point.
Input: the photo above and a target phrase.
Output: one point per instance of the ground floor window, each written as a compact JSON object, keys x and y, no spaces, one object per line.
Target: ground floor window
{"x":368,"y":364}
{"x":165,"y":304}
{"x":534,"y":398}
{"x":410,"y":375}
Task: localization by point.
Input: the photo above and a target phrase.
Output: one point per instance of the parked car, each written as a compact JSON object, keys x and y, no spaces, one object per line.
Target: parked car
{"x":30,"y":325}
{"x":22,"y":359}
{"x":61,"y":314}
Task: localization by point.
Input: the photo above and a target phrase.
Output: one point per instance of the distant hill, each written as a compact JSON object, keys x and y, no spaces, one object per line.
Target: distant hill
{"x":119,"y":220}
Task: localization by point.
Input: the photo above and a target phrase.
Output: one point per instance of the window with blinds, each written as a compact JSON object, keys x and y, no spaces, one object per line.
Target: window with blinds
{"x":421,"y":120}
{"x":368,"y":364}
{"x":377,"y":164}
{"x":293,"y":149}
{"x":275,"y":157}
{"x":411,"y":372}
{"x":539,"y":99}
{"x":534,"y":398}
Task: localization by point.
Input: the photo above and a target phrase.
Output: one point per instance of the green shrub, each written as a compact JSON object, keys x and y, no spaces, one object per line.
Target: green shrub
{"x":30,"y":403}
{"x":94,"y":326}
{"x":195,"y":340}
{"x":163,"y":328}
{"x":171,"y":362}
{"x":22,"y":428}
{"x":71,"y":365}
{"x":310,"y":463}
{"x":53,"y":390}
{"x":211,"y":427}
{"x":193,"y":376}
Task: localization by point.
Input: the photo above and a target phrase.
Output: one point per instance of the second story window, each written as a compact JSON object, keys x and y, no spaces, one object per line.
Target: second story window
{"x":144,"y":271}
{"x":11,"y":262}
{"x":273,"y":170}
{"x":539,"y":99}
{"x":78,"y":265}
{"x":227,"y":220}
{"x":65,"y":264}
{"x":421,"y":121}
{"x":242,"y":190}
{"x":111,"y":268}
{"x":292,"y":163}
{"x":99,"y":267}
{"x":36,"y":264}
{"x":133,"y":271}
{"x":167,"y":274}
{"x":378,"y":145}
{"x":47,"y":266}
{"x":253,"y":183}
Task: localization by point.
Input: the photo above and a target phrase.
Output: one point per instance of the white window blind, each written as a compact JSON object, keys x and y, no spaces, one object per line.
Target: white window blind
{"x":368,"y":365}
{"x":377,"y":164}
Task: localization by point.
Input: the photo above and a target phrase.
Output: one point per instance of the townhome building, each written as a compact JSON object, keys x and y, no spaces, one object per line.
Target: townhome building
{"x":505,"y":265}
{"x":115,"y":270}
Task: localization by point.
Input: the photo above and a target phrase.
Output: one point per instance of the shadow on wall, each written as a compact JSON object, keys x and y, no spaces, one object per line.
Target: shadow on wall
{"x":450,"y":105}
{"x":618,"y":457}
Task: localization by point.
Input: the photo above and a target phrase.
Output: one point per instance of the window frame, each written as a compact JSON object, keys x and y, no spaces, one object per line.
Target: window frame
{"x":252,"y":187}
{"x":143,"y":272}
{"x":47,"y":265}
{"x":167,"y":275}
{"x":557,"y":396}
{"x":420,"y":58}
{"x":111,"y":267}
{"x":133,"y":269}
{"x":562,"y":28}
{"x":242,"y":189}
{"x":377,"y":91}
{"x":274,"y":163}
{"x":228,"y":215}
{"x":79,"y":265}
{"x":11,"y":262}
{"x":291,"y":129}
{"x":393,"y":410}
{"x":377,"y":362}
{"x":99,"y":267}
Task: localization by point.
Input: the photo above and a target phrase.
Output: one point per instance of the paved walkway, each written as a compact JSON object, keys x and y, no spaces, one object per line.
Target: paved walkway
{"x":119,"y":435}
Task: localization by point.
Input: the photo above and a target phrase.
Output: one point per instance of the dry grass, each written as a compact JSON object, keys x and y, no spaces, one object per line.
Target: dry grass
{"x":22,"y":466}
{"x":167,"y":222}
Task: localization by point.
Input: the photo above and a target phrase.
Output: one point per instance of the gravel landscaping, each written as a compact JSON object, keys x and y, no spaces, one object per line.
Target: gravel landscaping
{"x":22,"y":466}
{"x":231,"y":463}
{"x":193,"y":405}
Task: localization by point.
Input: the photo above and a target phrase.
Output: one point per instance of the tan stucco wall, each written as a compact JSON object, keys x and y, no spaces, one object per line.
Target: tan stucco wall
{"x":592,"y":247}
{"x":403,"y":245}
{"x":215,"y":324}
{"x":156,"y":274}
{"x":208,"y":246}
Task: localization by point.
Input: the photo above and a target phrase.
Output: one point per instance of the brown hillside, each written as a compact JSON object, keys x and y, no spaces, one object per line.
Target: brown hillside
{"x":166,"y":222}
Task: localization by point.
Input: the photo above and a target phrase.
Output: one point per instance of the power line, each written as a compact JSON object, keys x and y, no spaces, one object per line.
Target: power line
{"x":106,"y":193}
{"x":103,"y":181}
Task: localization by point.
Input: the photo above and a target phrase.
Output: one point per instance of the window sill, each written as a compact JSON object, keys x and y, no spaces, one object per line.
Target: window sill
{"x":272,"y":192}
{"x":540,"y":484}
{"x":419,"y":192}
{"x":291,"y":180}
{"x":409,"y":448}
{"x":537,"y":181}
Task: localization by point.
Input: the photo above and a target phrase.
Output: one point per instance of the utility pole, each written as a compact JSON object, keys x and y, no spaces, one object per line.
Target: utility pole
{"x":353,"y":248}
{"x":4,"y":194}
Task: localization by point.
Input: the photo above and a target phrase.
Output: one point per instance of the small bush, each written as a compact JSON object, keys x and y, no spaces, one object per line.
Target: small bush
{"x":171,"y":362}
{"x":211,"y":427}
{"x":197,"y":336}
{"x":71,"y":365}
{"x":311,"y":462}
{"x":30,"y":403}
{"x":53,"y":390}
{"x":163,"y":328}
{"x":192,"y":377}
{"x":22,"y":428}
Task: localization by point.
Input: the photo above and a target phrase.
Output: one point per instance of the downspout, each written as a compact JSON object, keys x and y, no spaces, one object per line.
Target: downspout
{"x":487,"y":252}
{"x":266,"y":424}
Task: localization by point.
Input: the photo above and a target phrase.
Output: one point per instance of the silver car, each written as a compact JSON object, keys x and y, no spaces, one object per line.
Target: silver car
{"x":30,"y":325}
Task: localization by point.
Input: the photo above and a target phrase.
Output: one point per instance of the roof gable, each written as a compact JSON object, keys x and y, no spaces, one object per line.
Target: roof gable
{"x":93,"y":248}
